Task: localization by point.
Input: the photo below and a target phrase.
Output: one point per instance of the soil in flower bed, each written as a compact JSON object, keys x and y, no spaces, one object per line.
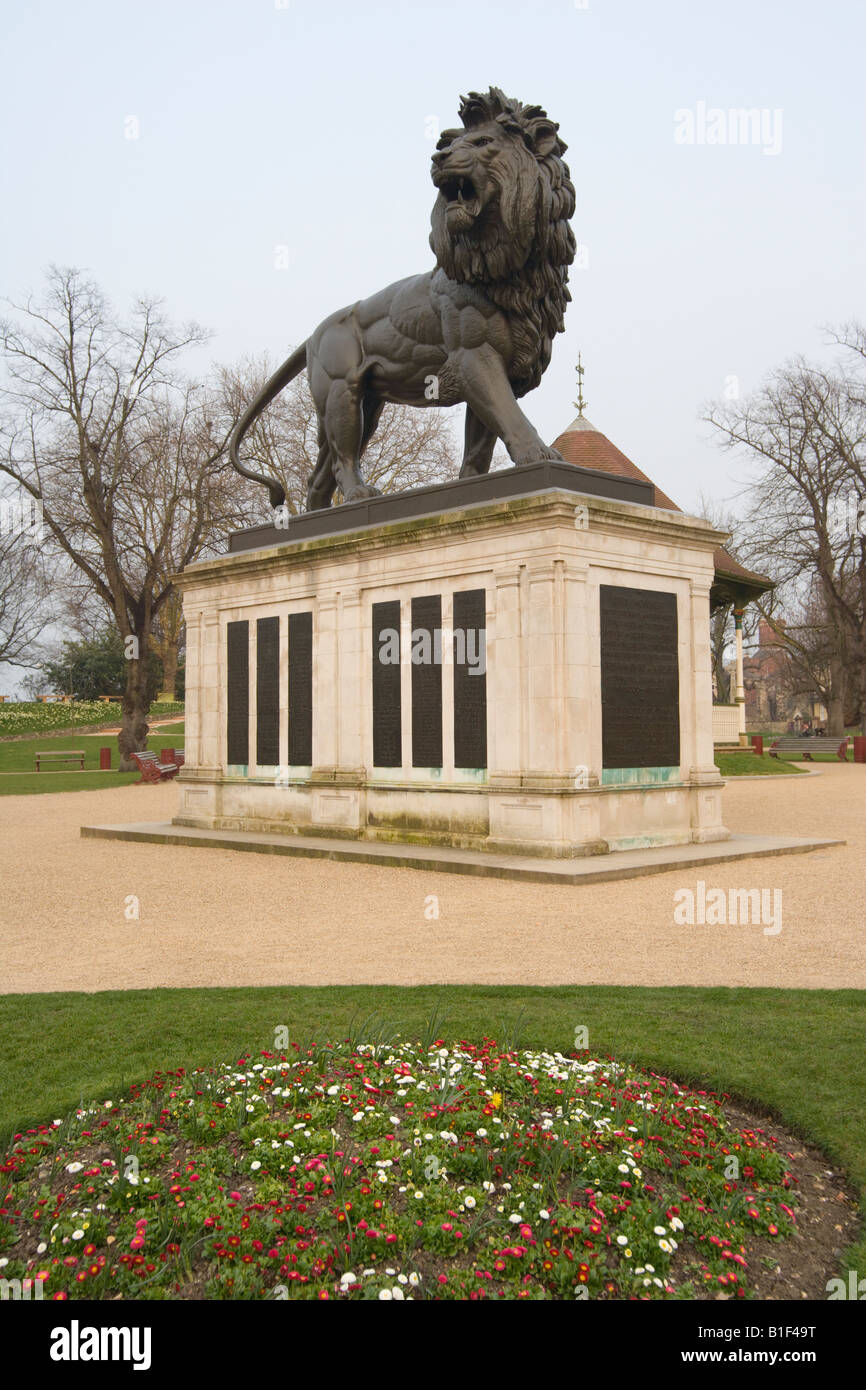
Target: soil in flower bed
{"x":402,"y":1170}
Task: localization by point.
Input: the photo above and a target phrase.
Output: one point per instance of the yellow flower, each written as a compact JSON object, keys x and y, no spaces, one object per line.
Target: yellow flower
{"x":496,"y":1100}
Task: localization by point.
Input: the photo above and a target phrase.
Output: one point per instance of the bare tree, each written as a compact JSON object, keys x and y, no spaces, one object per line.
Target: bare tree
{"x":24,"y":598}
{"x":805,"y":432}
{"x":181,"y":434}
{"x":85,"y":400}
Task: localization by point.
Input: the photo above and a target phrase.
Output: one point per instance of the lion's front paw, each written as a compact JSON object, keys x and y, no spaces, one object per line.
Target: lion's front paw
{"x":359,"y":492}
{"x":538,"y":453}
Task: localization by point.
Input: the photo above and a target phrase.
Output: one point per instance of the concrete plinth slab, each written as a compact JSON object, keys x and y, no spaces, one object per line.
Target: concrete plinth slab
{"x":619,"y":865}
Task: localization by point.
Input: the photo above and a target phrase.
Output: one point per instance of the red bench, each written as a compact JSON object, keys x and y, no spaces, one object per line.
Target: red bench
{"x":151,"y":769}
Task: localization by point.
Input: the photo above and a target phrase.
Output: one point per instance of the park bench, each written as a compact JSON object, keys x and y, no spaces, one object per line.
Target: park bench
{"x":64,"y":756}
{"x":151,"y":769}
{"x":806,"y":747}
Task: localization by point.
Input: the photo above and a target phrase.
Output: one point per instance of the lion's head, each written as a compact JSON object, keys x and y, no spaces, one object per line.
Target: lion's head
{"x":500,"y":220}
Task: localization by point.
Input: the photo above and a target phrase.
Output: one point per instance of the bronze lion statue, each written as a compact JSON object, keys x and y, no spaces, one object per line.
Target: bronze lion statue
{"x":476,"y":329}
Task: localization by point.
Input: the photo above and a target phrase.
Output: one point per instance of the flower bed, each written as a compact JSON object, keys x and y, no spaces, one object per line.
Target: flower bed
{"x":33,"y":717}
{"x":393,"y":1171}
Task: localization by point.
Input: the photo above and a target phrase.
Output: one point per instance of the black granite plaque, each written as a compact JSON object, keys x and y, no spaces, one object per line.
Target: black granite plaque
{"x":387,"y":720}
{"x":300,"y":689}
{"x":268,"y":692}
{"x":426,"y":657}
{"x":470,"y":678}
{"x":639,"y":678}
{"x":238,"y":693}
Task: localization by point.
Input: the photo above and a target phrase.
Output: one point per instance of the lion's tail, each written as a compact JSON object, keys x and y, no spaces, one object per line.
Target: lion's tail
{"x":291,"y":368}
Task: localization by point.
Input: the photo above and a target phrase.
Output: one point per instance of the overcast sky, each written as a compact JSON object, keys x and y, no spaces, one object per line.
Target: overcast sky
{"x":307,"y":125}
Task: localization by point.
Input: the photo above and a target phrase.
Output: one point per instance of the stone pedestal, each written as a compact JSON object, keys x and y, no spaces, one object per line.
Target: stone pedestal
{"x":527,"y":702}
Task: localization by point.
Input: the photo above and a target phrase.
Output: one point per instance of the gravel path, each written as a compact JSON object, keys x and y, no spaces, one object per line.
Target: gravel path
{"x":217,"y":917}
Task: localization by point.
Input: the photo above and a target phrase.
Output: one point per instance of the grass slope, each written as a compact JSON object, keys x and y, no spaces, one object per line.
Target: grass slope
{"x":31,"y":716}
{"x":18,"y":775}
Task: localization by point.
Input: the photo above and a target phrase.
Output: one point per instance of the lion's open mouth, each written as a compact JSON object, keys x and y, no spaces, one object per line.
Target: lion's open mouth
{"x":460,"y":194}
{"x":458,"y":190}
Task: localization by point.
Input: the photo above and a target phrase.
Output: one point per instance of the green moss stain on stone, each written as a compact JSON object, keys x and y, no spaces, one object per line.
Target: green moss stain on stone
{"x":639,"y":776}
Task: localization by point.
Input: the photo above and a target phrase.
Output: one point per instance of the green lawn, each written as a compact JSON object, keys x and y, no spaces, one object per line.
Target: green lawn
{"x":169,"y":734}
{"x":18,"y":757}
{"x":797,"y":1053}
{"x":748,"y":765}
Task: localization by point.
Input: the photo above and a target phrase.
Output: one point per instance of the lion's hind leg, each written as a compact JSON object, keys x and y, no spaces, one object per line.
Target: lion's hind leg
{"x":344,"y":427}
{"x":322,"y":484}
{"x":336,"y":376}
{"x":478,"y":447}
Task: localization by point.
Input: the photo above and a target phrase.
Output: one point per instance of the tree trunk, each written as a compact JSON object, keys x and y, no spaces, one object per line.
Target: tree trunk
{"x":168,"y":657}
{"x":835,"y":718}
{"x":133,"y":734}
{"x":836,"y":700}
{"x":718,"y":627}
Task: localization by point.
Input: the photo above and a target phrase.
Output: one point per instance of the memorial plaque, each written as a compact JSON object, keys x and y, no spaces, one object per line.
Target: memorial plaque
{"x":268,"y":692}
{"x":640,"y":688}
{"x":470,"y":678}
{"x":387,"y":713}
{"x":238,"y":693}
{"x":426,"y":656}
{"x":300,"y":689}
